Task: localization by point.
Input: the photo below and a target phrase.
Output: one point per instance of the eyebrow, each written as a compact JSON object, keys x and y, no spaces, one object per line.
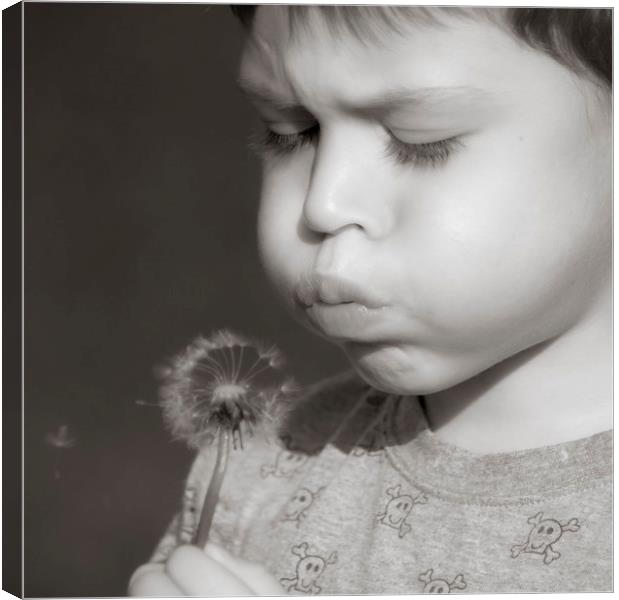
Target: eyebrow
{"x":392,"y":99}
{"x":262,"y":94}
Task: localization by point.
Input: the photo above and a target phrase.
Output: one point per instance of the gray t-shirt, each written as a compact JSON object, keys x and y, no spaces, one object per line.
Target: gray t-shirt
{"x":357,"y":496}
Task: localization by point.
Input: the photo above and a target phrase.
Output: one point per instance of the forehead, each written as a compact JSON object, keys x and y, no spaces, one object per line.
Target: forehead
{"x":304,"y":52}
{"x":465,"y":58}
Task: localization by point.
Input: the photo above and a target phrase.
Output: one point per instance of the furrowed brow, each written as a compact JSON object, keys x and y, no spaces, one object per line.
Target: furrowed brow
{"x":261,"y":94}
{"x":432,"y":97}
{"x":388,"y":101}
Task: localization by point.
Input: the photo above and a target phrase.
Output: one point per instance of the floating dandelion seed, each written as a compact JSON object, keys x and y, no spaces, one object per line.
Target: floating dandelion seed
{"x":221,"y":388}
{"x":140,"y":402}
{"x":61,"y":440}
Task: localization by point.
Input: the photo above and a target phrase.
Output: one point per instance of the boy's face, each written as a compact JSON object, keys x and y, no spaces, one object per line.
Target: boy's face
{"x":431,"y":262}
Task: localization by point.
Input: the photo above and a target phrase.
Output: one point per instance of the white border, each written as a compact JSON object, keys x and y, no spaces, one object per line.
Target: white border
{"x":549,"y":3}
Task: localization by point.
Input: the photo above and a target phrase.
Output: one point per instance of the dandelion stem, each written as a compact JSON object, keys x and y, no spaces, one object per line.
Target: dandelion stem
{"x":212,"y":494}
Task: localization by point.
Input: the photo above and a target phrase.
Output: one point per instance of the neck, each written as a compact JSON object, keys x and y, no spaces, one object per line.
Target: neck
{"x":555,"y":392}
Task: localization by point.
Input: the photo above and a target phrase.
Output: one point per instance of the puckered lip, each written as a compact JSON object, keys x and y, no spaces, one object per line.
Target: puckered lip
{"x":315,"y":288}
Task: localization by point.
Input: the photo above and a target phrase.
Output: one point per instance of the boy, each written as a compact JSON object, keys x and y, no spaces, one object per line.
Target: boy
{"x":437,"y":201}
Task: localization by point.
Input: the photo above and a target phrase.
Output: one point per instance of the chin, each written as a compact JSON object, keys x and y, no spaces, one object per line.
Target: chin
{"x":401,"y":386}
{"x":394,"y":370}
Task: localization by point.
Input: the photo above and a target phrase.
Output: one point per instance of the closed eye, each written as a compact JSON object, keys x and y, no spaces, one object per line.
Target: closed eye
{"x":267,"y":142}
{"x":429,"y":154}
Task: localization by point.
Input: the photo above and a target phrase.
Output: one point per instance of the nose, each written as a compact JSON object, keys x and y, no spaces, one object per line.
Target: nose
{"x":347,"y":187}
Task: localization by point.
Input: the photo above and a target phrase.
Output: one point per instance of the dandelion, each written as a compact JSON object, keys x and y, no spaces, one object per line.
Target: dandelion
{"x":221,"y":388}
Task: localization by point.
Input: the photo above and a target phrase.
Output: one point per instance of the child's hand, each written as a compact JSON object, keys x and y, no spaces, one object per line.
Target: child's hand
{"x":213,"y":571}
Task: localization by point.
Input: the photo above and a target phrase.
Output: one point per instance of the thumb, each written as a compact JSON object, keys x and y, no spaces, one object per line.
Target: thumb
{"x":254,"y":575}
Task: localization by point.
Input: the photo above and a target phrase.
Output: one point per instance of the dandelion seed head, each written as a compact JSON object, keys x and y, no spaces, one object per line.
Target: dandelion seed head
{"x":223,"y":382}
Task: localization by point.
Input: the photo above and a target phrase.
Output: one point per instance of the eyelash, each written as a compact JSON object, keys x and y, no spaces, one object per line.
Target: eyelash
{"x":267,"y":142}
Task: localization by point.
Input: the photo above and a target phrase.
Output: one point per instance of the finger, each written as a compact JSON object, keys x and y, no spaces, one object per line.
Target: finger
{"x":254,"y":575}
{"x":144,"y":569}
{"x":151,"y":581}
{"x":197,"y":574}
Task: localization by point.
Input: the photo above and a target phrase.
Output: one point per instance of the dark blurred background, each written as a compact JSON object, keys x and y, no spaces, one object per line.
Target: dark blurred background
{"x":140,"y":203}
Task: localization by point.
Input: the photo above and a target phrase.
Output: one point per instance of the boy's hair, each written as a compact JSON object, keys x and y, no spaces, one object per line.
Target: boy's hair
{"x":580,"y":39}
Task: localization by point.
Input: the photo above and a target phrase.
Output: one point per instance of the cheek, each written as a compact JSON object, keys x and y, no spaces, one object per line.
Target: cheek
{"x":509,"y":239}
{"x":282,"y":252}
